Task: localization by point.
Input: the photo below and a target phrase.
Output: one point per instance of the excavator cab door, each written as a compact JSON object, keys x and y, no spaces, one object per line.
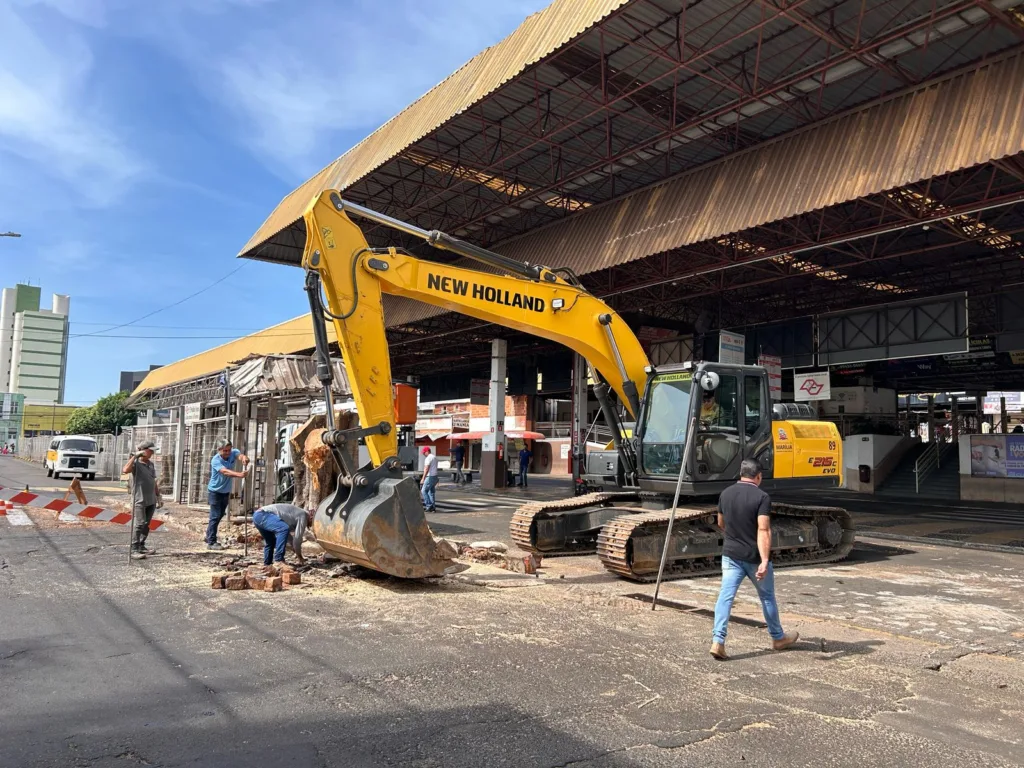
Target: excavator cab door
{"x":733,"y":421}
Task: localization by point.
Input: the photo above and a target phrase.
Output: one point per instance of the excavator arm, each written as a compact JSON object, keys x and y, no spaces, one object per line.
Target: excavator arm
{"x":354,"y":277}
{"x":538,"y":301}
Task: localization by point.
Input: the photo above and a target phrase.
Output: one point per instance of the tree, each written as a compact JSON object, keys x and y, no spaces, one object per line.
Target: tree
{"x":107,"y":415}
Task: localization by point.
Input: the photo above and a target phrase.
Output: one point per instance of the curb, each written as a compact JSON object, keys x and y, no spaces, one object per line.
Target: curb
{"x":940,"y":542}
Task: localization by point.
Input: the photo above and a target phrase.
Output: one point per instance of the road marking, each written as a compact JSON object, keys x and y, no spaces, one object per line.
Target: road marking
{"x":64,"y":517}
{"x":18,"y":517}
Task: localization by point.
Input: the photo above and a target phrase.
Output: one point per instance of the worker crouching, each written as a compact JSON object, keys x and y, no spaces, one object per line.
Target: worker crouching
{"x":276,"y":524}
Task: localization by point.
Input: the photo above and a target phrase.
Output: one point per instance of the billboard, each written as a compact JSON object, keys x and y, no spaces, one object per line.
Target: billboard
{"x":988,"y":456}
{"x":1015,"y":455}
{"x":811,"y":386}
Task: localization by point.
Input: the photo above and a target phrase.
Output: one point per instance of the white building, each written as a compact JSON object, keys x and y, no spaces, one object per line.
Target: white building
{"x":33,"y":344}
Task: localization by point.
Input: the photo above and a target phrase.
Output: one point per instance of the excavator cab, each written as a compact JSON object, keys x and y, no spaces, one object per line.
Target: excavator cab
{"x":729,"y":411}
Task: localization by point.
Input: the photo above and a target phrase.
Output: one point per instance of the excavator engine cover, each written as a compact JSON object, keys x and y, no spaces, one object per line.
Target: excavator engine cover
{"x":382,"y":526}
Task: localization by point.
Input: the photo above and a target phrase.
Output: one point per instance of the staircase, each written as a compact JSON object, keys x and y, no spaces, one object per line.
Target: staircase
{"x":942,"y":482}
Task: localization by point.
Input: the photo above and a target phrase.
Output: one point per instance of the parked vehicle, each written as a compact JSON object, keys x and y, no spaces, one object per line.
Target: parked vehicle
{"x":71,"y":455}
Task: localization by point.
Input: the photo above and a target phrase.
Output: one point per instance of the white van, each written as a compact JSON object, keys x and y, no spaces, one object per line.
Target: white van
{"x":71,"y":455}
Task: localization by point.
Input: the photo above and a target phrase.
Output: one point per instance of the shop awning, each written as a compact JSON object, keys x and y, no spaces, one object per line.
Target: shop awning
{"x":514,"y":434}
{"x":431,"y":436}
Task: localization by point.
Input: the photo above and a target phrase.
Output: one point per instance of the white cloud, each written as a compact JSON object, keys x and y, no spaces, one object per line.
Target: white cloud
{"x":316,"y":71}
{"x":46,"y":117}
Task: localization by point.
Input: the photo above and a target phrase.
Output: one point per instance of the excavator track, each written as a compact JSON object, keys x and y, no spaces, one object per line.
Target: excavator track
{"x":530,"y":517}
{"x":630,"y":546}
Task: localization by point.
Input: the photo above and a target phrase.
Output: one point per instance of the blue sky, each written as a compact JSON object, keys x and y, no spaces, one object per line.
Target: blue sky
{"x":142,"y":143}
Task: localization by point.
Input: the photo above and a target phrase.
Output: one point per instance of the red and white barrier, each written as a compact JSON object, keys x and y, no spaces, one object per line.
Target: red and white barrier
{"x":10,"y":497}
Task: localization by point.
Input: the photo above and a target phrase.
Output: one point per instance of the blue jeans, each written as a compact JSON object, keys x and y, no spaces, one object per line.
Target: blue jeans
{"x":427,"y":492}
{"x":522,"y":477}
{"x":733,"y":573}
{"x":275,"y":533}
{"x":218,"y":506}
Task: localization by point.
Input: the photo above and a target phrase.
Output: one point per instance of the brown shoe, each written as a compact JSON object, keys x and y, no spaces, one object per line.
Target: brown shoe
{"x":787,"y":640}
{"x":718,"y":651}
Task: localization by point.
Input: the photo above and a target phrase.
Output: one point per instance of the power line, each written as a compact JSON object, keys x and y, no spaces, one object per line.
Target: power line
{"x":173,"y":304}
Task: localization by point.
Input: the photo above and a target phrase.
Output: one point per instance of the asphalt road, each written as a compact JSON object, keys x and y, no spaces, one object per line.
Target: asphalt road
{"x":106,"y":664}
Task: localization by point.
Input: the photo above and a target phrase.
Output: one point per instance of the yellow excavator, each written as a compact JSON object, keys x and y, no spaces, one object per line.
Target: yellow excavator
{"x":694,"y":423}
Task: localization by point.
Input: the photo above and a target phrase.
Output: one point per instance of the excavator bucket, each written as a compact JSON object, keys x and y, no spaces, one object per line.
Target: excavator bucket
{"x":374,"y":519}
{"x":383,"y":528}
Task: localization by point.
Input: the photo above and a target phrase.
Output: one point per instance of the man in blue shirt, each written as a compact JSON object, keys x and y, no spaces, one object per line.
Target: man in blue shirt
{"x":524,"y":464}
{"x":222,"y":472}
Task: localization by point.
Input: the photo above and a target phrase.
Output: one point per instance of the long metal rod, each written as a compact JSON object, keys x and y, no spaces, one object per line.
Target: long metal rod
{"x":675,"y":506}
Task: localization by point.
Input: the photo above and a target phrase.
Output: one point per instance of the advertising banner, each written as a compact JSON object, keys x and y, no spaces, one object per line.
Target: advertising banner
{"x":988,"y":456}
{"x":811,"y":386}
{"x":773,"y":365}
{"x":1015,"y":455}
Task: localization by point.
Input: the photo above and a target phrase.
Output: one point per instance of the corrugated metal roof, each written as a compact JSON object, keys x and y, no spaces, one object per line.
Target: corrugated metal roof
{"x":537,"y":37}
{"x":285,"y":374}
{"x":943,"y":127}
{"x":283,"y":339}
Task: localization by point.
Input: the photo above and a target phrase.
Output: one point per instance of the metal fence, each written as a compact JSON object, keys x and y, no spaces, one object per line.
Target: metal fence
{"x":113,"y":451}
{"x":200,"y":441}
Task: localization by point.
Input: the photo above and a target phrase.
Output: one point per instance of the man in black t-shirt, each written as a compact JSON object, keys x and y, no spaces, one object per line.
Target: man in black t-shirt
{"x":744,"y":514}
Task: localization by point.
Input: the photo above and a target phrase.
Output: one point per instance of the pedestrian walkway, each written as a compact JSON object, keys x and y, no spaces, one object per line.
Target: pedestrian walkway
{"x":17,"y":517}
{"x":464,"y":502}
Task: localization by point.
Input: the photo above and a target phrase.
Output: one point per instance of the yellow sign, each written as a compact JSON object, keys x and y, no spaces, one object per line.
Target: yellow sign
{"x":46,"y":418}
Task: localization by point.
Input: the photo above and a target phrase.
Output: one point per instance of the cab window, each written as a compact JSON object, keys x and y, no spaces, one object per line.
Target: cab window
{"x":719,"y":410}
{"x":665,"y":423}
{"x":753,"y":403}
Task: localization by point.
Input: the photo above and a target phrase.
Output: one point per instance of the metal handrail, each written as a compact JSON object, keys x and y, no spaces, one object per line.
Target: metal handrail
{"x":929,"y":460}
{"x":926,"y":463}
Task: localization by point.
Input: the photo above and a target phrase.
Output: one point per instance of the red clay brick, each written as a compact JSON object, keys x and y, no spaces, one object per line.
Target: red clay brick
{"x":218,"y":581}
{"x":291,"y":578}
{"x":273,"y":584}
{"x":234,"y":582}
{"x":255,"y":581}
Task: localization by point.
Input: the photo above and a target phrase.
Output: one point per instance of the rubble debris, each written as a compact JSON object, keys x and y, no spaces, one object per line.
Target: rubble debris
{"x":218,"y":580}
{"x":494,"y":546}
{"x":516,"y":563}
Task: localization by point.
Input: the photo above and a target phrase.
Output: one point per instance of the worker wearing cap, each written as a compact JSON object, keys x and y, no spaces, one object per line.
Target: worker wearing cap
{"x":222,"y":473}
{"x":276,"y":524}
{"x":429,"y":480}
{"x":145,"y":494}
